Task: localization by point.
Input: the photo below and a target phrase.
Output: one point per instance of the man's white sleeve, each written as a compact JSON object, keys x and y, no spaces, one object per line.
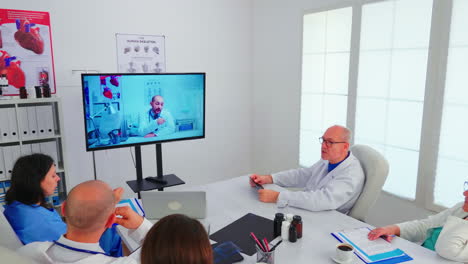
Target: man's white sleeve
{"x":139,"y":234}
{"x":336,"y":193}
{"x":167,"y":127}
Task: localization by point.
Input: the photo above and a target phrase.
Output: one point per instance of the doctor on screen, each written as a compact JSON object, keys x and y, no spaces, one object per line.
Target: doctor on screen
{"x":157,"y":121}
{"x":333,"y":183}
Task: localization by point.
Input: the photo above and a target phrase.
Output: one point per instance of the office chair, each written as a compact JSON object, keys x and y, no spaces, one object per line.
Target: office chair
{"x":8,"y":237}
{"x":375,"y":168}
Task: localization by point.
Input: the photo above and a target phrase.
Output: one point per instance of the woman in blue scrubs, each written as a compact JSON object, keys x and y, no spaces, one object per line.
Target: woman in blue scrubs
{"x":33,"y":178}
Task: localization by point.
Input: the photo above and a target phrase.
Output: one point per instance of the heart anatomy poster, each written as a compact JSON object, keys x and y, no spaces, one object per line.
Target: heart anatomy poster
{"x":26,"y":50}
{"x":140,"y":53}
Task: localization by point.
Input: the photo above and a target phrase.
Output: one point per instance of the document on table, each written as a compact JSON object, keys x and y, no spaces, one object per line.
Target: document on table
{"x":369,"y":251}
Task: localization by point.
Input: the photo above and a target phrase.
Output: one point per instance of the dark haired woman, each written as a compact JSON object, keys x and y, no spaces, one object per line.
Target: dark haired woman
{"x":33,"y":179}
{"x":177,"y":239}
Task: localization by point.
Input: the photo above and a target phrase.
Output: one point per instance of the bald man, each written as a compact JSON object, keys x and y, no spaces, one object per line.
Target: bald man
{"x":333,"y":183}
{"x":158,"y":122}
{"x":89,"y":211}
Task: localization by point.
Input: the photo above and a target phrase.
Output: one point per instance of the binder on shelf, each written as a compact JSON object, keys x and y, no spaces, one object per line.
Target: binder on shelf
{"x":3,"y":173}
{"x":35,"y":148}
{"x":23,"y":122}
{"x":378,"y":251}
{"x":4,"y":127}
{"x":50,"y":148}
{"x":32,"y":122}
{"x":6,"y":185}
{"x":26,"y":149}
{"x":10,"y":155}
{"x":13,"y":136}
{"x":45,"y":120}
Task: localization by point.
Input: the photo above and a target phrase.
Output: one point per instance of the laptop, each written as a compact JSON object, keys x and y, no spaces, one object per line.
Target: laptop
{"x":160,"y":204}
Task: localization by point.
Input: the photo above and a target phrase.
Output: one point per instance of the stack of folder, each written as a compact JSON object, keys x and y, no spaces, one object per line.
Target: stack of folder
{"x":376,"y":251}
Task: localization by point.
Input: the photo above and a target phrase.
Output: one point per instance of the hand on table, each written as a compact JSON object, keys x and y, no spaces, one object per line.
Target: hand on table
{"x":386,"y":232}
{"x":268,"y":196}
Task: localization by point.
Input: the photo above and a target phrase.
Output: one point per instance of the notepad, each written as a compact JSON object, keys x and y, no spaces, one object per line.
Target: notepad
{"x":134,"y":204}
{"x":375,"y":251}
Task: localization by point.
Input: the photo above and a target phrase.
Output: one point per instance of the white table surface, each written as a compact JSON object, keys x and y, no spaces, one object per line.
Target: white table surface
{"x":231,"y":199}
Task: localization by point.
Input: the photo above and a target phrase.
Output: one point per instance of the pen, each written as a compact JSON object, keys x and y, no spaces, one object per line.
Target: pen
{"x":273,"y":248}
{"x":265,"y":242}
{"x":252,"y":235}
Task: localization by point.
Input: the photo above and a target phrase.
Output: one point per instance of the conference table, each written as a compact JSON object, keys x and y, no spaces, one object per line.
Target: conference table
{"x":231,"y":199}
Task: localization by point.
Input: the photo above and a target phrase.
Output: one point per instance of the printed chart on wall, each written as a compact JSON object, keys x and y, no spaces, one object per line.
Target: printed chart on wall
{"x":140,"y":53}
{"x":26,"y":50}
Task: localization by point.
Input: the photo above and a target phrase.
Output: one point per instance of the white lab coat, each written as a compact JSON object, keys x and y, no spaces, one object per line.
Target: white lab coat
{"x":337,"y":190}
{"x":48,"y":252}
{"x":453,"y":239}
{"x":147,"y":124}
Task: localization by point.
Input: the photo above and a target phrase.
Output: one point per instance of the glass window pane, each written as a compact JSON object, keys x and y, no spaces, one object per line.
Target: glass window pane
{"x":453,"y":141}
{"x":402,"y":177}
{"x":374,"y":130}
{"x":449,"y":185}
{"x":452,"y":162}
{"x":408,"y":79}
{"x":314,"y":32}
{"x":325,"y":76}
{"x":311,"y":111}
{"x":378,"y":21}
{"x":374,"y":73}
{"x":404,"y":124}
{"x":338,"y":29}
{"x":313,"y":68}
{"x":336,"y":73}
{"x":391,"y":85}
{"x":456,"y":81}
{"x":412,"y":23}
{"x":309,"y":151}
{"x":334,"y":110}
{"x":459,"y":23}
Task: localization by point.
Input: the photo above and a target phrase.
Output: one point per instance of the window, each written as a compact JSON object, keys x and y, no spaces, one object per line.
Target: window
{"x":370,"y":66}
{"x":393,"y":56}
{"x":325,"y":73}
{"x":452,"y":161}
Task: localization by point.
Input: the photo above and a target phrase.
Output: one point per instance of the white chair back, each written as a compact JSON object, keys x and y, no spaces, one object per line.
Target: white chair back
{"x":8,"y":237}
{"x":376,"y":169}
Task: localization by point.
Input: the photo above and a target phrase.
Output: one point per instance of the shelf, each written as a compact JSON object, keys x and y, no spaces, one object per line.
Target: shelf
{"x":28,"y":101}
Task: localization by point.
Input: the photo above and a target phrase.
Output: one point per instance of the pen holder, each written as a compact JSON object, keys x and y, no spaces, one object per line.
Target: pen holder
{"x":265,"y":257}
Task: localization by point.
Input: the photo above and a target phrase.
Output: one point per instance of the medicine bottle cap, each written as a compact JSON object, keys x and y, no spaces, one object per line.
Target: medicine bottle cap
{"x":297,"y":218}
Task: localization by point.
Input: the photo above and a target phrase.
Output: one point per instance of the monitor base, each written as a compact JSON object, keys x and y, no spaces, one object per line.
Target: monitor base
{"x":151,"y":183}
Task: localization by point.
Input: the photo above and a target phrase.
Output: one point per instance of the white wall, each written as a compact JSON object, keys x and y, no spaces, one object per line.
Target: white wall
{"x":277,"y":85}
{"x":212,"y":36}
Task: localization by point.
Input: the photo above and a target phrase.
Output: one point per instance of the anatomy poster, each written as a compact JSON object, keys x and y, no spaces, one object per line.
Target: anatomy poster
{"x":26,"y":50}
{"x":140,"y":53}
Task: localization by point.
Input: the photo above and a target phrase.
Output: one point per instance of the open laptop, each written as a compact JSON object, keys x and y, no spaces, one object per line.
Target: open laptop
{"x":160,"y":204}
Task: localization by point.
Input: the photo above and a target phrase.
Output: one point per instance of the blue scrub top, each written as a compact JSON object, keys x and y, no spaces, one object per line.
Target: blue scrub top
{"x":36,"y":223}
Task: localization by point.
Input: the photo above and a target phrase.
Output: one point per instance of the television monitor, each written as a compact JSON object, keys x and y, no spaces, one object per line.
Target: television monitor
{"x":123,"y":110}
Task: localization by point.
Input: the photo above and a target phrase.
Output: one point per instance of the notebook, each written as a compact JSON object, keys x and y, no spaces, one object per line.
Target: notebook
{"x":160,"y":204}
{"x":376,"y":251}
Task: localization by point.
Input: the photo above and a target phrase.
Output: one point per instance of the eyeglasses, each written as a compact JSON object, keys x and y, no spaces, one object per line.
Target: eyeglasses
{"x":329,"y":143}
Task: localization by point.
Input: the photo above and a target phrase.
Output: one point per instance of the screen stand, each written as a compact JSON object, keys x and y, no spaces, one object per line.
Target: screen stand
{"x":150,"y":183}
